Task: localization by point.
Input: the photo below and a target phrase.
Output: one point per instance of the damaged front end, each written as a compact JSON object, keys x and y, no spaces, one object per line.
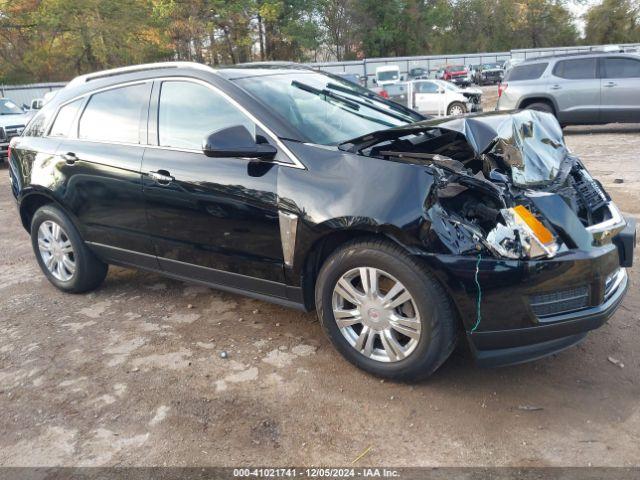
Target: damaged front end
{"x":506,"y":186}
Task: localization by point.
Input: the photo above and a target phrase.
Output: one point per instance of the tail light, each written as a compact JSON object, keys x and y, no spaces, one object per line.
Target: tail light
{"x":501,"y":88}
{"x":9,"y":153}
{"x":384,"y":94}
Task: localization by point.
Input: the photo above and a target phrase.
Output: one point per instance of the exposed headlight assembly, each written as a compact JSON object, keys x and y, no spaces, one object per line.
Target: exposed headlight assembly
{"x":521,"y":235}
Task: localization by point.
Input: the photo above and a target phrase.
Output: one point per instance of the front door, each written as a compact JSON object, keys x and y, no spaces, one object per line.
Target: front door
{"x":620,"y":89}
{"x":212,"y":219}
{"x":427,"y":97}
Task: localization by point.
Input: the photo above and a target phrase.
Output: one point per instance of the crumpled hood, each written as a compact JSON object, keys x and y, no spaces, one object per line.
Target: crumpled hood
{"x":530,"y":142}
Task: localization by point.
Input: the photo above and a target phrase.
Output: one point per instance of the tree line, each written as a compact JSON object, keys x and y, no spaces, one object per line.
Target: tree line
{"x":47,"y":40}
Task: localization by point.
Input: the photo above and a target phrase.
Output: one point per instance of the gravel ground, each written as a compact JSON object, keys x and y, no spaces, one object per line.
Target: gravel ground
{"x":132,"y":375}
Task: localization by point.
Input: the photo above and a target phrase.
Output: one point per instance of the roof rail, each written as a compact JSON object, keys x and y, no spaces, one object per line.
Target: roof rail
{"x":136,"y":68}
{"x":571,"y":54}
{"x":271,"y":64}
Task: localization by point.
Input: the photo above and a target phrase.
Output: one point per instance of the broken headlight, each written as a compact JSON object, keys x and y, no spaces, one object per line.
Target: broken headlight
{"x":521,"y":235}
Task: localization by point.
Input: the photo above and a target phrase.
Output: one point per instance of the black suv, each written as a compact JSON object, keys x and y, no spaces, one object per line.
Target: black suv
{"x":294,"y":186}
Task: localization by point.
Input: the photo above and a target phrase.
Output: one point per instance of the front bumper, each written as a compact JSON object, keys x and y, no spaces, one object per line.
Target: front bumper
{"x":461,"y":81}
{"x":530,"y":309}
{"x":510,"y":347}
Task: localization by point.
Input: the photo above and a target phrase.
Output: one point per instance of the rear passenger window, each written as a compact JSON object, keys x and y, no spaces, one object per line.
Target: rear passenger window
{"x":621,"y":68}
{"x":65,"y":118}
{"x":115,"y":115}
{"x":190,"y":111}
{"x":526,"y":72}
{"x":576,"y":69}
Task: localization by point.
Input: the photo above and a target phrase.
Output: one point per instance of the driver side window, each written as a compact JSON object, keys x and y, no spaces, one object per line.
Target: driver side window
{"x":188,"y":112}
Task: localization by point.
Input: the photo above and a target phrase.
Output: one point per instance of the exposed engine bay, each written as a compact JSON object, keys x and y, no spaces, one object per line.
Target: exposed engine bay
{"x":506,"y":184}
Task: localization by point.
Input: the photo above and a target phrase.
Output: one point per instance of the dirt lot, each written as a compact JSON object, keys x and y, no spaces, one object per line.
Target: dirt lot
{"x":131,"y":375}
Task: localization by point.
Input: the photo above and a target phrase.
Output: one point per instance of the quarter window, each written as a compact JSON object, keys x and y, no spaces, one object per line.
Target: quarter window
{"x":189,"y":112}
{"x":526,"y":72}
{"x":115,"y":115}
{"x":576,"y":69}
{"x":621,"y":68}
{"x":65,"y":118}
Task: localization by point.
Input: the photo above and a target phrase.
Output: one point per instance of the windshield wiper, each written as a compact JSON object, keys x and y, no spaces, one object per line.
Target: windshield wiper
{"x":372,"y":96}
{"x":328,"y":95}
{"x":325,"y":93}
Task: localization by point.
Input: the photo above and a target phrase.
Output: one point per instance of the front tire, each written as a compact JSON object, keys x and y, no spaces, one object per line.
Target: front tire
{"x":384,"y":312}
{"x":456,"y":108}
{"x":62,"y":254}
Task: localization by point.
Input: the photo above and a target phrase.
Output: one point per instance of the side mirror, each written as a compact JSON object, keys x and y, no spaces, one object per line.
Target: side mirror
{"x":441,"y":90}
{"x":375,"y":82}
{"x":402,"y":78}
{"x":236,"y":141}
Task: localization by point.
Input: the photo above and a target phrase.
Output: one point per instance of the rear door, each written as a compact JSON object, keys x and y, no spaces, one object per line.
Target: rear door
{"x":620,"y":84}
{"x":212,"y":219}
{"x":575,"y":87}
{"x":102,"y":153}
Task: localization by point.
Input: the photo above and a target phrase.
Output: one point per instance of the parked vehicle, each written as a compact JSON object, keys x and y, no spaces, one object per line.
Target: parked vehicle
{"x":436,"y":97}
{"x":387,"y":75}
{"x":294,"y":186}
{"x":585,"y":88}
{"x":418,"y":73}
{"x":472,"y":71}
{"x":36,"y":104}
{"x":489,"y":74}
{"x":12,"y":122}
{"x":439,"y":74}
{"x":457,"y":74}
{"x":351,"y":77}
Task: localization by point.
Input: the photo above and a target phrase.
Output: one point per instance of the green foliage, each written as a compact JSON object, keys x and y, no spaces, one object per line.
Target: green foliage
{"x":58,"y":39}
{"x":613,"y":21}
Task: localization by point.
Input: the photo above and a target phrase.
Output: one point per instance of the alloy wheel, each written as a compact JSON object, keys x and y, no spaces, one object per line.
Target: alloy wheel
{"x":56,"y":250}
{"x":376,"y":314}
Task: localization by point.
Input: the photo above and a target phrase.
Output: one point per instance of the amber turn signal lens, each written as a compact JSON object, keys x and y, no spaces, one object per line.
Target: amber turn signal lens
{"x":540,"y":231}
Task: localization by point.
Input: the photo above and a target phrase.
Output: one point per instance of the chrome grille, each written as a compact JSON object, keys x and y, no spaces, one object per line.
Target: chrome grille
{"x":13,"y":131}
{"x":563,"y":301}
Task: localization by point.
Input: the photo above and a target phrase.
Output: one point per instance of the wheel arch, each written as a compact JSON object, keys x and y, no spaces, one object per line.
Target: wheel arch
{"x":526,"y":101}
{"x":34,"y":200}
{"x":324,"y":246}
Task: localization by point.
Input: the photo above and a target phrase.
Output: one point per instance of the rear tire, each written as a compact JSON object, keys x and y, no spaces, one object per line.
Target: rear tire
{"x":413,"y":351}
{"x":62,"y":254}
{"x":541,"y":107}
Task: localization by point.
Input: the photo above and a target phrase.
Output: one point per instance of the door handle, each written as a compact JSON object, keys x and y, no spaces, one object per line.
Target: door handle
{"x":555,"y":87}
{"x":161,"y":177}
{"x":70,"y":158}
{"x":610,"y":84}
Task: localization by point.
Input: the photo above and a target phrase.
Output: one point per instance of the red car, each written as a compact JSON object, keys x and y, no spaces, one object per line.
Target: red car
{"x":457,"y":74}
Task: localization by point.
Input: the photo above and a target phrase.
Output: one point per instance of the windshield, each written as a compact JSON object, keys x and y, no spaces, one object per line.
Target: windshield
{"x":448,"y":86}
{"x":491,"y":65}
{"x":456,"y":68}
{"x":384,"y":76}
{"x":7,"y":107}
{"x":324,"y":109}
